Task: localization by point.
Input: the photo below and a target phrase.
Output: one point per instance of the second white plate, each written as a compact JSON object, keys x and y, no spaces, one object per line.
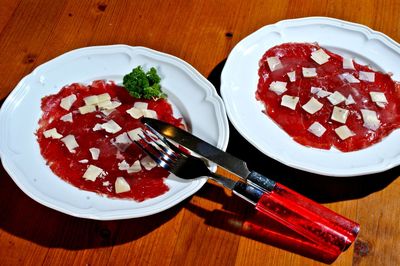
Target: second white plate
{"x":239,"y":82}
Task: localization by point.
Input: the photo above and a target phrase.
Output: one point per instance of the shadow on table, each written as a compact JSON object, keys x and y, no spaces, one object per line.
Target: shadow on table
{"x":241,"y":218}
{"x":25,"y":218}
{"x":323,"y":189}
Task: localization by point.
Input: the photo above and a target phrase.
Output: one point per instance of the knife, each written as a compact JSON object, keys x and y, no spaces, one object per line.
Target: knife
{"x":210,"y":152}
{"x":281,"y":203}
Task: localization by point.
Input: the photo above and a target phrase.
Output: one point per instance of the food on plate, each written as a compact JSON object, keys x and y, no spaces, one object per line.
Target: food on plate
{"x":144,"y":85}
{"x":323,"y":100}
{"x":86,"y":136}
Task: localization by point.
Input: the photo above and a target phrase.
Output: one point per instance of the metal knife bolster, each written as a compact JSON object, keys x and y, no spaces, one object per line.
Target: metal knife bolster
{"x":247,"y":192}
{"x":260,"y":181}
{"x":244,"y":190}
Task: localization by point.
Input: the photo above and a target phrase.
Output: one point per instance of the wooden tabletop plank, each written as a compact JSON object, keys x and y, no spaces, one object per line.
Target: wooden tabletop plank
{"x":207,"y":228}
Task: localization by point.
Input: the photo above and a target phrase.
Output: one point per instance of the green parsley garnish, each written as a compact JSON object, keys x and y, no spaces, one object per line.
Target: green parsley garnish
{"x":142,"y":84}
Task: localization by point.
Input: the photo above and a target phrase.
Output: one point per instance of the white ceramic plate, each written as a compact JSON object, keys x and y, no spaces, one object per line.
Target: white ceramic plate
{"x":239,"y":83}
{"x":190,"y":93}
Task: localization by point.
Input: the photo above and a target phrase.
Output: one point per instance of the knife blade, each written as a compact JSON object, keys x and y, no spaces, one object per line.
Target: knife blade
{"x":210,"y":152}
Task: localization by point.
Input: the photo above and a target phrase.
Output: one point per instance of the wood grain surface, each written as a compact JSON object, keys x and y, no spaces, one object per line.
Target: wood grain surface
{"x":197,"y":231}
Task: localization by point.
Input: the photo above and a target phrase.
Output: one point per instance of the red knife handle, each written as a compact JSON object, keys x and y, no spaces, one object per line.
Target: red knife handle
{"x":308,"y":218}
{"x":304,"y":216}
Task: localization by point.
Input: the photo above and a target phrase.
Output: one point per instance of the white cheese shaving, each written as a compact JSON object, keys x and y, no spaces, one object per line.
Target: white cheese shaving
{"x":67,"y":102}
{"x":92,"y":172}
{"x":106,"y":183}
{"x":150,"y":113}
{"x":292,"y":76}
{"x":349,"y":100}
{"x":349,"y":78}
{"x":309,"y":72}
{"x":348,"y":63}
{"x":70,"y":143}
{"x":87,"y":109}
{"x":336,"y":97}
{"x":111,"y":126}
{"x":107,"y":112}
{"x":104,"y":105}
{"x":344,"y":132}
{"x":321,"y":93}
{"x":97,"y":127}
{"x":371,"y":120}
{"x":379,"y":98}
{"x":135,"y":167}
{"x":121,"y":185}
{"x":278,"y":87}
{"x":103,"y":97}
{"x":52,"y":133}
{"x":84,"y":161}
{"x":381,"y":104}
{"x":140,"y":105}
{"x":122,"y":141}
{"x":97,"y":99}
{"x":108,"y":105}
{"x":67,"y":118}
{"x":123,"y":166}
{"x":134,"y":134}
{"x":339,"y":114}
{"x":148,"y":163}
{"x":320,"y":56}
{"x":274,"y":63}
{"x":289,"y":101}
{"x":95,"y":152}
{"x":312,"y":106}
{"x":91,"y":100}
{"x":317,"y":129}
{"x":366,"y":76}
{"x":135,"y":112}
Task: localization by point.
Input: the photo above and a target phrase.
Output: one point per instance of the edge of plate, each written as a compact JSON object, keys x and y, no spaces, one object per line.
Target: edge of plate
{"x":211,"y":96}
{"x":369,"y":33}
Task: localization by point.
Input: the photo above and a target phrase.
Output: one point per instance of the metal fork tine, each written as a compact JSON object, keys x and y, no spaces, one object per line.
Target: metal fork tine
{"x":160,"y":154}
{"x":164,"y":140}
{"x":160,"y":162}
{"x":164,"y":147}
{"x":154,"y":132}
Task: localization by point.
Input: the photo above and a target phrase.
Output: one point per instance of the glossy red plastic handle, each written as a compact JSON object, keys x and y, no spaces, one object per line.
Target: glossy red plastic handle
{"x":308,"y":218}
{"x":263,"y":229}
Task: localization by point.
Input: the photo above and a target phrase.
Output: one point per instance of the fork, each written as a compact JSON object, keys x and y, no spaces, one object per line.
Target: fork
{"x":175,"y":161}
{"x":304,"y":221}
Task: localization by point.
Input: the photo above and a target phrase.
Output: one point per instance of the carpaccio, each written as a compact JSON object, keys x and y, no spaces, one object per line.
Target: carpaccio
{"x":85,"y":135}
{"x":323,"y":100}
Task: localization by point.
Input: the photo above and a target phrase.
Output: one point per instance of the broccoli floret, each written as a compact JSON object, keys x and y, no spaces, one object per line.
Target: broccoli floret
{"x":144,"y":85}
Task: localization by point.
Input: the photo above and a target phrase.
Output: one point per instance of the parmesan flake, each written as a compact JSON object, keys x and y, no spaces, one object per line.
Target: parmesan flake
{"x":278,"y":87}
{"x":320,"y":56}
{"x":274,"y":63}
{"x":52,"y":133}
{"x":67,"y":102}
{"x":312,"y":106}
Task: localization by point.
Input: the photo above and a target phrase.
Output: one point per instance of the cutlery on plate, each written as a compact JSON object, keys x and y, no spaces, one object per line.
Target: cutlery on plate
{"x":308,"y":218}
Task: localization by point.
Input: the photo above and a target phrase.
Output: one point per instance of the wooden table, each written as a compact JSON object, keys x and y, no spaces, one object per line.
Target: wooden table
{"x":193,"y":232}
